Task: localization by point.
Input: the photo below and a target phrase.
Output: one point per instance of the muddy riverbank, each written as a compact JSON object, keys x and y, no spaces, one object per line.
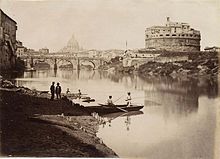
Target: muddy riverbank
{"x":34,"y":126}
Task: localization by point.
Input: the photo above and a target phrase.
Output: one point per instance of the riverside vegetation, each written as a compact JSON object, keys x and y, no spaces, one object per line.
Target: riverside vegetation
{"x":198,"y":64}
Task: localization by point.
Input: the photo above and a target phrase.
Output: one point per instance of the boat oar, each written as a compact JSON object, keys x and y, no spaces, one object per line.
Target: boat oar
{"x":103,"y":105}
{"x":118,"y":99}
{"x":122,"y":109}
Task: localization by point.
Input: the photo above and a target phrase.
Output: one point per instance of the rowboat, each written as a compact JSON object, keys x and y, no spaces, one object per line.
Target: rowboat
{"x":121,"y":114}
{"x":106,"y":109}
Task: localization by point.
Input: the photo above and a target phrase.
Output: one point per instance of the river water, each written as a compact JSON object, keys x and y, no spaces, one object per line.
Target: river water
{"x":180,"y":118}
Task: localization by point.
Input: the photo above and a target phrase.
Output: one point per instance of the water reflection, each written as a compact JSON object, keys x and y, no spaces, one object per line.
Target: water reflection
{"x":178,"y":120}
{"x":106,"y":120}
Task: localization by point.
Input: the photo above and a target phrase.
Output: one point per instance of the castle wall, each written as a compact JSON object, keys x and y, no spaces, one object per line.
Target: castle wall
{"x":173,"y":44}
{"x":174,"y":36}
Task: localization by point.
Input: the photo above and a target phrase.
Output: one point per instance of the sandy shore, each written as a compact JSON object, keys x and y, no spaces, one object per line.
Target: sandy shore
{"x":34,"y":126}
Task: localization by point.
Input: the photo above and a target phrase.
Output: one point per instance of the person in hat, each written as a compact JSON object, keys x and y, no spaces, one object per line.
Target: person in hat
{"x":52,"y":91}
{"x":58,"y":91}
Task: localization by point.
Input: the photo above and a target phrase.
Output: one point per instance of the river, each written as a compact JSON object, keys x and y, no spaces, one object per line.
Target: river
{"x":180,"y":118}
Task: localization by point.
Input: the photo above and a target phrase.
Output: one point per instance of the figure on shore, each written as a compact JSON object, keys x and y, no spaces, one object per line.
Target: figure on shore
{"x":109,"y":101}
{"x":79,"y":94}
{"x":52,"y":91}
{"x":67,"y":91}
{"x":128,"y":99}
{"x":58,"y":90}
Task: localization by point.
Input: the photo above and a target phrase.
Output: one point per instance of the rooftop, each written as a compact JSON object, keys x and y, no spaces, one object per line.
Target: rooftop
{"x":8,"y":16}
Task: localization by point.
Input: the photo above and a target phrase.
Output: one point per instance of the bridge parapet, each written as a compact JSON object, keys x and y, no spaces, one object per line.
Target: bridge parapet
{"x":55,"y":59}
{"x":48,"y":56}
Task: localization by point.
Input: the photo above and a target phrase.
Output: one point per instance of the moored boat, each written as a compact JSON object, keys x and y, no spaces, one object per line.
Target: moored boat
{"x":106,"y":109}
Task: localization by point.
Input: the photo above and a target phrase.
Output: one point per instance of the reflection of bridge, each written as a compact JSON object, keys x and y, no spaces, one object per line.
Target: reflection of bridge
{"x":55,"y":59}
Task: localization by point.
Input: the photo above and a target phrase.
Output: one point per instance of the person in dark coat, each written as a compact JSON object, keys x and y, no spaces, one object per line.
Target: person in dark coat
{"x":52,"y":90}
{"x":79,"y":94}
{"x":58,"y":90}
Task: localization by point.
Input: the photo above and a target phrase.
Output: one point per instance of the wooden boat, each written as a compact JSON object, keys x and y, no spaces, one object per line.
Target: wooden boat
{"x":106,"y":109}
{"x":89,"y":100}
{"x":122,"y":114}
{"x":75,"y":95}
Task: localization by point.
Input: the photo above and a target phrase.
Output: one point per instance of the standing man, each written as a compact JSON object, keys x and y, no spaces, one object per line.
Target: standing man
{"x":128,"y":99}
{"x":58,"y":91}
{"x":52,"y":91}
{"x":79,"y":94}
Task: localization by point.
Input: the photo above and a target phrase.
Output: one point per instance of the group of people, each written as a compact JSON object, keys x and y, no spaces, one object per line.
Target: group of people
{"x":128,"y":99}
{"x":55,"y":90}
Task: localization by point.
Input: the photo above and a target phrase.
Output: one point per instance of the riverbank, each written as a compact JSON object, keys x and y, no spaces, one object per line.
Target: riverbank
{"x":198,"y":64}
{"x":34,"y":126}
{"x":174,"y":64}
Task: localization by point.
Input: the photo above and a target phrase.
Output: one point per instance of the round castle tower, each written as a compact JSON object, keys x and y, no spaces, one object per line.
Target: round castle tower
{"x":174,"y":36}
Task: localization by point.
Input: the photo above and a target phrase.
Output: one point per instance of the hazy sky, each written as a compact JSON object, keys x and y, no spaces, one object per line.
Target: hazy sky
{"x":106,"y":24}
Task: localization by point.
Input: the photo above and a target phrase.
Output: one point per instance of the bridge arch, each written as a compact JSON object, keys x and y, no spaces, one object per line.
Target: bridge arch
{"x":93,"y":65}
{"x":58,"y":61}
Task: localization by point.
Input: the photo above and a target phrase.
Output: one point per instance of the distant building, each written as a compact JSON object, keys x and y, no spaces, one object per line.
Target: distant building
{"x":8,"y":29}
{"x":212,"y":49}
{"x":174,"y":36}
{"x":111,"y":53}
{"x":44,"y":50}
{"x":21,"y":50}
{"x":72,"y":46}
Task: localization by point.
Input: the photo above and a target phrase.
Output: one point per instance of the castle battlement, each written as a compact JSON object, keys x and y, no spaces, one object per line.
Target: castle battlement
{"x":174,"y":36}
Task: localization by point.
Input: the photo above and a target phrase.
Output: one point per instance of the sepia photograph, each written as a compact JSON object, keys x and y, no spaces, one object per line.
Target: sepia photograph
{"x":110,"y":79}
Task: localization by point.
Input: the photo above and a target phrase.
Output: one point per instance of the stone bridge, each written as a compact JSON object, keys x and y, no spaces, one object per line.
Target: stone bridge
{"x":55,"y":60}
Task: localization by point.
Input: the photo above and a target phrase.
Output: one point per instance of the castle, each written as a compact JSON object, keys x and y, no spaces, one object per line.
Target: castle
{"x":174,"y":36}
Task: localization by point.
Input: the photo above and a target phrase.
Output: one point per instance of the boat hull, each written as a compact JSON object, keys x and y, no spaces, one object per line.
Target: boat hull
{"x":112,"y":109}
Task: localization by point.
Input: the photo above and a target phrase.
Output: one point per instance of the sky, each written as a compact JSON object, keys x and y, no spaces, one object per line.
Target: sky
{"x":107,"y":24}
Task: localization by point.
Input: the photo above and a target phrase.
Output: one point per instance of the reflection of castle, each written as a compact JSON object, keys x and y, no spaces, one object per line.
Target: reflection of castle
{"x":172,"y":101}
{"x":178,"y":97}
{"x":174,"y":36}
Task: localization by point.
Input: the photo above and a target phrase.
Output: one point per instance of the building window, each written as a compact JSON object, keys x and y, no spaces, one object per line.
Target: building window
{"x":167,"y":34}
{"x":173,"y":34}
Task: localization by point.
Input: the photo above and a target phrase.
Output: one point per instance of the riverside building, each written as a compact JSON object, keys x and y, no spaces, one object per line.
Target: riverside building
{"x":174,"y":36}
{"x":8,"y":29}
